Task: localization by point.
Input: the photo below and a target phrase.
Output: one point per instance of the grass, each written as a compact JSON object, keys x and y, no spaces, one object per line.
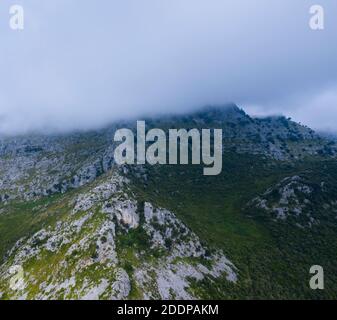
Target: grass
{"x":21,"y":219}
{"x":273,"y":258}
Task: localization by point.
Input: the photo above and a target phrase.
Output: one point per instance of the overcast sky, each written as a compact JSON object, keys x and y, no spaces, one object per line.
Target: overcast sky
{"x":80,"y":64}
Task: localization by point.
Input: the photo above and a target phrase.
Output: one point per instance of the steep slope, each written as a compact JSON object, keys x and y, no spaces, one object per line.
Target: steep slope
{"x":83,"y":228}
{"x":31,"y":167}
{"x":273,"y":255}
{"x":109,"y":246}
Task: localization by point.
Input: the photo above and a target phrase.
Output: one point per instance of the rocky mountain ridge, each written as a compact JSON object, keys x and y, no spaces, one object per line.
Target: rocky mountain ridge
{"x":44,"y":165}
{"x":78,"y":258}
{"x":80,"y":227}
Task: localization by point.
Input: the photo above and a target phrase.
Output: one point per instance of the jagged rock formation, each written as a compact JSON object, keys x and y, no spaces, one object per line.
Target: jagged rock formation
{"x":79,"y":258}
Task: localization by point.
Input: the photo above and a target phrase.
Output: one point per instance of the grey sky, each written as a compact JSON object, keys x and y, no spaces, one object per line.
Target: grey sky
{"x":80,"y":64}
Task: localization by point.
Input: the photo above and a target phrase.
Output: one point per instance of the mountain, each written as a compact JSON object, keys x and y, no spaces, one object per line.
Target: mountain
{"x":78,"y":226}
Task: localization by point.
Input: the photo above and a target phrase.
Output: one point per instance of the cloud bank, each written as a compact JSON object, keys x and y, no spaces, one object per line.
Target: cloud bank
{"x":82,"y":64}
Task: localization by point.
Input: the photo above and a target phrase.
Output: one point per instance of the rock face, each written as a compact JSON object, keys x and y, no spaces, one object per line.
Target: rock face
{"x":296,"y":199}
{"x":82,"y":256}
{"x":43,"y":165}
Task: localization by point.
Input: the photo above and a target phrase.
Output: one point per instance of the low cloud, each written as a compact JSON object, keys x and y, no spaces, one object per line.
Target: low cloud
{"x":82,"y":64}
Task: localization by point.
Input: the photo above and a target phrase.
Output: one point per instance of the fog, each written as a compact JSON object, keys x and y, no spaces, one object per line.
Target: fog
{"x":81,"y":64}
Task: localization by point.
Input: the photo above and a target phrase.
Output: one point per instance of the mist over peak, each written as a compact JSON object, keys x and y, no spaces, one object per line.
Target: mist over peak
{"x":78,"y":67}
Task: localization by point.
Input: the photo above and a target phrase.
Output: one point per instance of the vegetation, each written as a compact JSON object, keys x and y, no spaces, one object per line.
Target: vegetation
{"x":273,"y":257}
